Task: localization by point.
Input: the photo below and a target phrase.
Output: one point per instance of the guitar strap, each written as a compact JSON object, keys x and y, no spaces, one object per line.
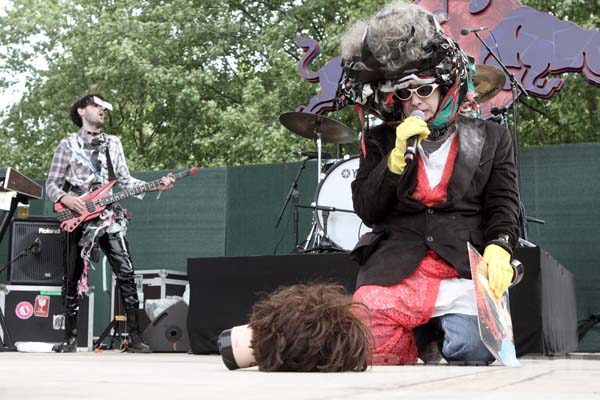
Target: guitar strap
{"x":111,"y":171}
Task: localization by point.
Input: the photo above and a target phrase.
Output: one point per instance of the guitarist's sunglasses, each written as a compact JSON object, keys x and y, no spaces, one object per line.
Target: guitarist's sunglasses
{"x":423,"y":91}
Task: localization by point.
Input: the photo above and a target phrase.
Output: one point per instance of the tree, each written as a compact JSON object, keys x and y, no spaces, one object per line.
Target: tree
{"x":192,"y":82}
{"x":203,"y":83}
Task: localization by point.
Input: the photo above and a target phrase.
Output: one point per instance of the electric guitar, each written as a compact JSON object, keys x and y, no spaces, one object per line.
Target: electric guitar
{"x":97,"y":200}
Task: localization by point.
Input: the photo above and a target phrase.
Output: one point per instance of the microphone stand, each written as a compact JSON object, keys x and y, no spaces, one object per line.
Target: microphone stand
{"x":293,"y":194}
{"x":514,"y":85}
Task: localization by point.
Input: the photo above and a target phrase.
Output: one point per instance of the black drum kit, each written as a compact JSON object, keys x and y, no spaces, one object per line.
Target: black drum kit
{"x":335,"y":225}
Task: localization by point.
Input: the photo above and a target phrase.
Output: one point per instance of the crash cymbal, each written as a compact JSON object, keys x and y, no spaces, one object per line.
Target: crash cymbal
{"x":307,"y":125}
{"x":488,"y":81}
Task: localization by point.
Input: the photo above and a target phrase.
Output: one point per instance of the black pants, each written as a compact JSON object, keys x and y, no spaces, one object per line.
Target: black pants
{"x":116,"y":250}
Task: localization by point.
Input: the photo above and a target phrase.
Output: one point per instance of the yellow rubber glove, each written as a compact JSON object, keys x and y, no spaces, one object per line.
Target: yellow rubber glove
{"x":410,"y":127}
{"x":500,"y":272}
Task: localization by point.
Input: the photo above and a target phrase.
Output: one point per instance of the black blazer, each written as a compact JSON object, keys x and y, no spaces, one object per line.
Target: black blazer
{"x":482,"y":203}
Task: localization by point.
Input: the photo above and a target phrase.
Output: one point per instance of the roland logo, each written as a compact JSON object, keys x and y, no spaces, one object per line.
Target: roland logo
{"x":52,"y":231}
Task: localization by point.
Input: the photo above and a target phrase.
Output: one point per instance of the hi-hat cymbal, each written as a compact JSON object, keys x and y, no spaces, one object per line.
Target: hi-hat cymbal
{"x":488,"y":81}
{"x":308,"y":125}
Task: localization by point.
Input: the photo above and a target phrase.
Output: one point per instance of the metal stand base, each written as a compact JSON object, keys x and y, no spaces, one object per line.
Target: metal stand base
{"x":6,"y":344}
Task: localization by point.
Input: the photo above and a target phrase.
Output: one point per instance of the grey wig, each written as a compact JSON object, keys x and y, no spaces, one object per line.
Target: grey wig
{"x":390,"y":49}
{"x":397,"y":36}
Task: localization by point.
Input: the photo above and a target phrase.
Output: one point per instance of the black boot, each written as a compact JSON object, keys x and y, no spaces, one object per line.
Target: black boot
{"x":136,"y":341}
{"x":70,"y":343}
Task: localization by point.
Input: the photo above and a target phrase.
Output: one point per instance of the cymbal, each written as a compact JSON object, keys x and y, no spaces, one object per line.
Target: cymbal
{"x":307,"y":125}
{"x":488,"y":81}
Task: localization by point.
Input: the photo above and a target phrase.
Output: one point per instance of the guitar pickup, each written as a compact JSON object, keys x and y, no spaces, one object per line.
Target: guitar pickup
{"x":90,"y":206}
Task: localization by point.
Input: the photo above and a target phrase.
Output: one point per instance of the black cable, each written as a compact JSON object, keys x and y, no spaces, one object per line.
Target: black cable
{"x":585,"y":325}
{"x":21,"y":254}
{"x":287,"y":224}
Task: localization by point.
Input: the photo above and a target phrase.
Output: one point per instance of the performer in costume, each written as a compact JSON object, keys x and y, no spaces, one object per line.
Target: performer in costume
{"x":461,"y":186}
{"x":83,"y":162}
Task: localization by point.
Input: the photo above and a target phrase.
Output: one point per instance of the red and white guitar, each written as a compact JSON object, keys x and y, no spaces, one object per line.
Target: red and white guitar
{"x":96,"y":201}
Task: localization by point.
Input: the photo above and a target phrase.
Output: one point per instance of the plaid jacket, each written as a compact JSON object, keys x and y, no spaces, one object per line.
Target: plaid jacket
{"x":73,"y":165}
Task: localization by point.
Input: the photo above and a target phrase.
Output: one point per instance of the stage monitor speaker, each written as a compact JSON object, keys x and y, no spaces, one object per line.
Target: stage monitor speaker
{"x":543,"y":305}
{"x":224,"y":289}
{"x":168,"y":332}
{"x":43,"y":247}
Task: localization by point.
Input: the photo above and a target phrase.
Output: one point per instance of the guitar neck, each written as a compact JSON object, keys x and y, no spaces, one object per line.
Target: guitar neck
{"x":146,"y":187}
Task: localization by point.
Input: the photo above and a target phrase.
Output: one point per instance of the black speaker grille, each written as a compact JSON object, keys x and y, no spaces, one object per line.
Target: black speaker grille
{"x":43,"y":265}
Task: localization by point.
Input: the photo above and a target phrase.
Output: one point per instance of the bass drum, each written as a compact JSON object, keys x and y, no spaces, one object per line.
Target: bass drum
{"x":343,"y":228}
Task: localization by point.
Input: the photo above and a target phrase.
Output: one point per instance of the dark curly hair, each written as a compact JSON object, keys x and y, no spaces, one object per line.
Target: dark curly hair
{"x":82,"y":102}
{"x":310,"y":328}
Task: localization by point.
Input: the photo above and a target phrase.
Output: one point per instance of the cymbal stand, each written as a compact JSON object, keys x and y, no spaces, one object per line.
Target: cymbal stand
{"x":319,"y":143}
{"x":313,"y":235}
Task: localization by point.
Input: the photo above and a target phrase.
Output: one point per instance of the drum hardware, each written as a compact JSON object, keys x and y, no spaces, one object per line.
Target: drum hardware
{"x":334,"y":191}
{"x":322,"y":129}
{"x":319,"y":128}
{"x":313,"y":126}
{"x":318,"y":240}
{"x":488,"y":81}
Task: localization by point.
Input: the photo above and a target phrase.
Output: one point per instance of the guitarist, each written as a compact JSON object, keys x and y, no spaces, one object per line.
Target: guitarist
{"x":83,"y":162}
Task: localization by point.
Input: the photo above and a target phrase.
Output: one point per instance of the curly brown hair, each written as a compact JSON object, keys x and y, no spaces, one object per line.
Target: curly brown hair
{"x":310,"y":328}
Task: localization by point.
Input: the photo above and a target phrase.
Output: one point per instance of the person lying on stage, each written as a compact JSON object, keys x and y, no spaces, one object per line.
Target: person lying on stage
{"x":460,"y":186}
{"x":301,"y":328}
{"x":82,"y":162}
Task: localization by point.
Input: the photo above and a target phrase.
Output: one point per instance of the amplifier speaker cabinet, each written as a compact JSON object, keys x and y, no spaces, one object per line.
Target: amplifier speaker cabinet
{"x":42,"y":245}
{"x":168,"y":332}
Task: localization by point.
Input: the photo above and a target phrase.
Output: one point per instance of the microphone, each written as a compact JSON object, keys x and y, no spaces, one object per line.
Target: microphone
{"x":411,"y":143}
{"x":311,"y":154}
{"x":466,"y":31}
{"x":36,"y":246}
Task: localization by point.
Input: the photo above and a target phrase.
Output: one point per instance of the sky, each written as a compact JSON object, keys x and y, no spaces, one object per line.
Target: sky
{"x":15,"y":92}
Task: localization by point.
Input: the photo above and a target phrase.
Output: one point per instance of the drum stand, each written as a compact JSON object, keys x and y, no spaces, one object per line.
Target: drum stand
{"x":318,"y":240}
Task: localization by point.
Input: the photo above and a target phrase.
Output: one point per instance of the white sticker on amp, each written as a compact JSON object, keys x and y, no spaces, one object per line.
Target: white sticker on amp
{"x":58,"y":322}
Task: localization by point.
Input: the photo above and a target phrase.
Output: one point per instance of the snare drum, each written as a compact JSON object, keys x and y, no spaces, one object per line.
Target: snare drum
{"x":343,"y":228}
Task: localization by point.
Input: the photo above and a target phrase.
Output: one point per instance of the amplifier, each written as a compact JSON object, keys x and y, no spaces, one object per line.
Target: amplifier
{"x":38,"y":247}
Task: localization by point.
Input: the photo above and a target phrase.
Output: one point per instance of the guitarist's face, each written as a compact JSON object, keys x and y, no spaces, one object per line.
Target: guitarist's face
{"x":92,"y":116}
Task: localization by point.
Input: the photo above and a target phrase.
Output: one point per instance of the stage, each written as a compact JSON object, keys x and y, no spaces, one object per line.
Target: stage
{"x":172,"y":376}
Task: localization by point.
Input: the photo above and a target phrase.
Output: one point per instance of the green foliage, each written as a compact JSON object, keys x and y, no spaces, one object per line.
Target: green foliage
{"x":192,"y":82}
{"x":197,"y":82}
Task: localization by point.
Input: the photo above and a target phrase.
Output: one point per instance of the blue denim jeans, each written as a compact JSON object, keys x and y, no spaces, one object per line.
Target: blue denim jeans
{"x":458,"y":338}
